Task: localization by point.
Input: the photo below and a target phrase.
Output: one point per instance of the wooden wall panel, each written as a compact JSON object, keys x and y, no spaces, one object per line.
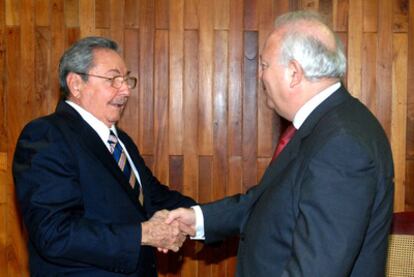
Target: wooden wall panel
{"x":176,"y":122}
{"x":198,"y":113}
{"x":399,"y":116}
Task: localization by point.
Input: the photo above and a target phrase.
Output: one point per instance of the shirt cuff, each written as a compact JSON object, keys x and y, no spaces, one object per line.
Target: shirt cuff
{"x":199,"y":225}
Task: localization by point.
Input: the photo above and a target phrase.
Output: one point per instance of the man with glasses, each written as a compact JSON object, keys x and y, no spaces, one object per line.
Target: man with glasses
{"x":87,"y":198}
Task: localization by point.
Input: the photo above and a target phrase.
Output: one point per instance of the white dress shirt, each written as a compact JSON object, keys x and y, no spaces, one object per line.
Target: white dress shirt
{"x":103,"y":132}
{"x":298,"y":120}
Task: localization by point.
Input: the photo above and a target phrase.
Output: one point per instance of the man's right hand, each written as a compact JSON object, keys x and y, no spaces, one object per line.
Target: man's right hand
{"x":156,"y":232}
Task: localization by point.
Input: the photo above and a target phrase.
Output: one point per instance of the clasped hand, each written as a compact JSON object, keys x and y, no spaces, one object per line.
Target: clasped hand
{"x":168,"y":230}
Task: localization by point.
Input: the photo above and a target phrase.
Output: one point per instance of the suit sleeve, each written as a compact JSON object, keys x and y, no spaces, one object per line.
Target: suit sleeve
{"x":50,"y":196}
{"x":226,"y":217}
{"x":336,"y":199}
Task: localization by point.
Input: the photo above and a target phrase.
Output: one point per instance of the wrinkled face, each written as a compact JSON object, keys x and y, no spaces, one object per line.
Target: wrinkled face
{"x":97,"y":96}
{"x":274,"y":75}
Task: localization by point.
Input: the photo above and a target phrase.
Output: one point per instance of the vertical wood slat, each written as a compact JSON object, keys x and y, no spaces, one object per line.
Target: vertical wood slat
{"x":409,"y":196}
{"x":250,"y":108}
{"x":162,"y":12}
{"x":42,"y":68}
{"x":205,"y":138}
{"x":250,"y":15}
{"x":71,"y":13}
{"x":15,"y":239}
{"x":400,"y":16}
{"x":146,"y":86}
{"x":12,"y":8}
{"x":191,"y":14}
{"x":42,"y":12}
{"x":326,"y":9}
{"x":191,"y":169}
{"x":116,"y":21}
{"x":3,"y":111}
{"x":221,"y":14}
{"x":235,"y":78}
{"x":176,"y":126}
{"x":129,"y":120}
{"x":190,"y":90}
{"x":410,"y":100}
{"x":102,"y":14}
{"x":370,"y":16}
{"x":27,"y":72}
{"x":354,"y":47}
{"x":87,"y":17}
{"x":161,"y":105}
{"x":220,"y":164}
{"x":399,"y":116}
{"x":309,"y":5}
{"x":369,"y":62}
{"x":340,"y":15}
{"x":132,"y":12}
{"x":384,"y":63}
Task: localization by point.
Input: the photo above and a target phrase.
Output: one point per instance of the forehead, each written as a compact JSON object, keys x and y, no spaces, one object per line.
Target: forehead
{"x":108,"y":59}
{"x":271,"y":46}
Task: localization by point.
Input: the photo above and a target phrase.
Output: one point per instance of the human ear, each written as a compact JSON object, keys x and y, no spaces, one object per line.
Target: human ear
{"x":295,"y":73}
{"x":75,"y":84}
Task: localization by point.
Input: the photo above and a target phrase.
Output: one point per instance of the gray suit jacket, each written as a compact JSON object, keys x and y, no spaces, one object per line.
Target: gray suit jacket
{"x":323,"y":207}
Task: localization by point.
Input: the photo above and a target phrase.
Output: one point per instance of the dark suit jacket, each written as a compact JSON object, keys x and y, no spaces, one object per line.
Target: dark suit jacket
{"x":323,"y":208}
{"x":82,"y":216}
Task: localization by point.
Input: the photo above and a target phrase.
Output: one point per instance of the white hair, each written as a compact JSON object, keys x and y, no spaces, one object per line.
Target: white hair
{"x":316,"y":59}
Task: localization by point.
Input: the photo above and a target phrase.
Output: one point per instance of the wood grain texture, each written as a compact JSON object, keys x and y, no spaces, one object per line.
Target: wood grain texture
{"x":205,"y":70}
{"x":250,"y":108}
{"x":71,"y":13}
{"x":355,"y":47}
{"x":399,"y":116}
{"x":146,"y":84}
{"x":3,"y":119}
{"x":370,"y":16}
{"x":161,"y":106}
{"x":198,"y":114}
{"x":176,"y":122}
{"x":384,"y":64}
{"x":369,"y":62}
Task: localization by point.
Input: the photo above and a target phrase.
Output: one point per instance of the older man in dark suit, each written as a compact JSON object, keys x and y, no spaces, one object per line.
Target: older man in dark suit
{"x":324,"y":205}
{"x":84,"y":191}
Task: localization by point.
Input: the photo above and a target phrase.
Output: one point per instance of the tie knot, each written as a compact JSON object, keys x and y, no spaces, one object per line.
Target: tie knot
{"x":112,"y":140}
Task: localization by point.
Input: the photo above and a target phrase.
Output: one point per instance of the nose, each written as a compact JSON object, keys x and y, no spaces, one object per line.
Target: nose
{"x":124,"y":89}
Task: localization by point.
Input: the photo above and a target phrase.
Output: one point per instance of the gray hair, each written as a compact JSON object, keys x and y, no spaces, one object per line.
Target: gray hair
{"x":79,"y":58}
{"x":316,"y":59}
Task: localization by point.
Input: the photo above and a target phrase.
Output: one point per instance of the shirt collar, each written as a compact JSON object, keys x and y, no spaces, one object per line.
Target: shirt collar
{"x":100,"y":128}
{"x":312,"y":103}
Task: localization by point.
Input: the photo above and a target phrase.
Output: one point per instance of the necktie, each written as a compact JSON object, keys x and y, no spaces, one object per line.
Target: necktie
{"x":284,"y":140}
{"x":122,"y":161}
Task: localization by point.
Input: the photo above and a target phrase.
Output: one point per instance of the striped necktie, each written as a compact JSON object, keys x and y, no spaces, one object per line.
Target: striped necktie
{"x":122,"y":161}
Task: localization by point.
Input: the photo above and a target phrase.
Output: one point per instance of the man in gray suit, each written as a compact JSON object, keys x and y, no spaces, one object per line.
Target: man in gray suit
{"x":324,"y":204}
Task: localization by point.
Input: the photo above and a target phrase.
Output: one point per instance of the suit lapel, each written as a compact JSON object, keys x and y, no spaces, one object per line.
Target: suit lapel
{"x":93,"y":144}
{"x":291,"y":151}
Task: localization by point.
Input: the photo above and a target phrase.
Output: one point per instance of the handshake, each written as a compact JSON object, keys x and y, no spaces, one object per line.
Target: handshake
{"x":167,"y":230}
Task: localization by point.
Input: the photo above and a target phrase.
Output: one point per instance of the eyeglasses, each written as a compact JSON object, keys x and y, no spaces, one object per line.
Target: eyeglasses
{"x":117,"y":81}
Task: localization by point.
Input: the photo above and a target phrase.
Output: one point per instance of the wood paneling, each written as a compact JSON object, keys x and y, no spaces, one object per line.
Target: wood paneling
{"x":198,"y":113}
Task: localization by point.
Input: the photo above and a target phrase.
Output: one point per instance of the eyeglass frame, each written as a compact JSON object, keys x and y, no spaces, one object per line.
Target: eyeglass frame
{"x":112,"y":79}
